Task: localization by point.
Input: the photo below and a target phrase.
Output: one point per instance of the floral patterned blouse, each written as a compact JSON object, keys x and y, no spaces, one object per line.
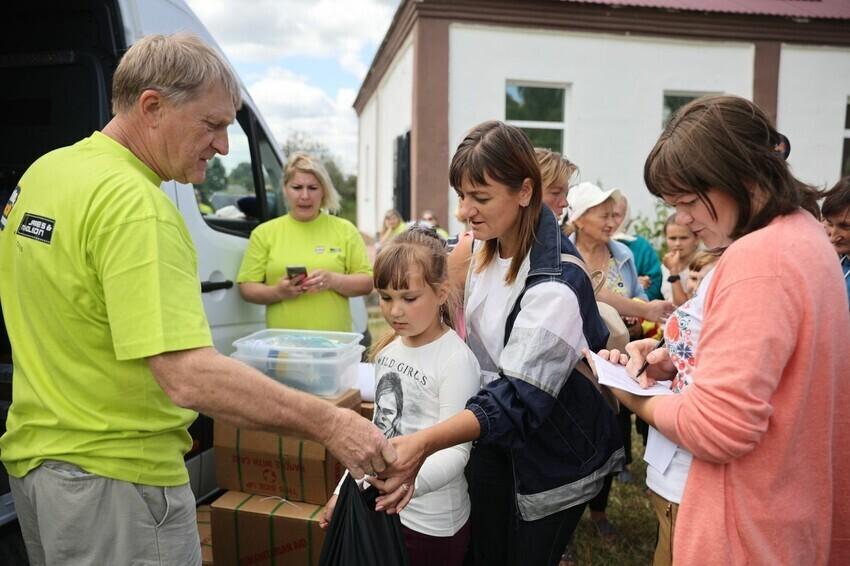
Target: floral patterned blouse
{"x":681,"y":335}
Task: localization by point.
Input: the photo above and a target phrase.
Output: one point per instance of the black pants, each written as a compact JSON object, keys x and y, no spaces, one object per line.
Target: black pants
{"x":499,"y":536}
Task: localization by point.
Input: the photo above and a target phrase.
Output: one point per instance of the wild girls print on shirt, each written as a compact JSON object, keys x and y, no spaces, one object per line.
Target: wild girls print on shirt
{"x":402,"y":390}
{"x":389,"y":404}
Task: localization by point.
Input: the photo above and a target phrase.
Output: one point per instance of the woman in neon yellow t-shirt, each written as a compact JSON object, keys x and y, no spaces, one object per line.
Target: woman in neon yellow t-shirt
{"x":330,"y":248}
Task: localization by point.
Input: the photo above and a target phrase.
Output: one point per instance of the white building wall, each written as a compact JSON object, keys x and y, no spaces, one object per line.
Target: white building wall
{"x":615,"y":86}
{"x":814,"y":85}
{"x":387,"y":115}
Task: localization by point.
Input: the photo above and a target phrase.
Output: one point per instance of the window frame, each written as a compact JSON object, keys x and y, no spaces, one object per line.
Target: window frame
{"x":255,"y":134}
{"x":692,"y":94}
{"x":540,"y":124}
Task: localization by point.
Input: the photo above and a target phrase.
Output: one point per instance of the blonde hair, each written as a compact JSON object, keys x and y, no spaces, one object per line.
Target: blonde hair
{"x":505,"y":154}
{"x":178,"y":66}
{"x":554,"y":167}
{"x":702,"y":259}
{"x":417,"y":247}
{"x":301,"y":162}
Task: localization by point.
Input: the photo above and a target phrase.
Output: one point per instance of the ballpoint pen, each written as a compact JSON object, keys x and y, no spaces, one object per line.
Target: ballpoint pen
{"x":646,"y":362}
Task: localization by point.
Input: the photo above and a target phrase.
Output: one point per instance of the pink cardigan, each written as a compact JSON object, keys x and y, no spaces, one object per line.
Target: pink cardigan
{"x":767,"y":417}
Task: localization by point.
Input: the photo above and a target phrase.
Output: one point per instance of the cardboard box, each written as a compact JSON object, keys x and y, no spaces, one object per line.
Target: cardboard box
{"x":252,"y":530}
{"x":367,"y":409}
{"x":205,"y":533}
{"x":263,"y":463}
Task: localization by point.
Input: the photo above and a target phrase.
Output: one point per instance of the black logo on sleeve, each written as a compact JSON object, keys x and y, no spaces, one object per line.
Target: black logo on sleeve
{"x":36,"y":227}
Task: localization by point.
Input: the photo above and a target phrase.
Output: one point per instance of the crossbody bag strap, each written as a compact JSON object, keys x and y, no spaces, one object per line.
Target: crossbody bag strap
{"x":597,"y":278}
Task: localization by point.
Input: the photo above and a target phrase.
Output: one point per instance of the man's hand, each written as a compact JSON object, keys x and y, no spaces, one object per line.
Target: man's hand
{"x":400,"y":478}
{"x":358,"y":444}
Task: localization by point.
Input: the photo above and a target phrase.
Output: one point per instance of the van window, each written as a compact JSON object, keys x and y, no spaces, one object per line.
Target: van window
{"x":241,"y":189}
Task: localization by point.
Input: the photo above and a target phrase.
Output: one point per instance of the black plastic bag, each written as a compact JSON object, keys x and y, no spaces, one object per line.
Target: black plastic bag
{"x":360,"y":536}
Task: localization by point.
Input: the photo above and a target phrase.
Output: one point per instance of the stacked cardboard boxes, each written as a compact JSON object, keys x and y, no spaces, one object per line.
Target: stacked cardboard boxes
{"x":278,"y":487}
{"x":205,"y":534}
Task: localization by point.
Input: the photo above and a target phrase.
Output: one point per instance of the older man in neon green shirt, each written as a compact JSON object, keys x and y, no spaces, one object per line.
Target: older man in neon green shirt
{"x":111,"y":347}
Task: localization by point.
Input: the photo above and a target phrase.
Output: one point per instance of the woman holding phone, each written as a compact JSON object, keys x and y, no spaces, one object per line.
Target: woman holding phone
{"x":766,"y":415}
{"x":306,"y":264}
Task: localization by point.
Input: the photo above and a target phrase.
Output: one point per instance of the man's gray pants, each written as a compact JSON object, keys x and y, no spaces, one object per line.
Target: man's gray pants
{"x":70,"y":517}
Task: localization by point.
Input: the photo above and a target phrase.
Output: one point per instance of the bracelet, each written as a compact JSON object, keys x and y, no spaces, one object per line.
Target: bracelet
{"x":673,"y":278}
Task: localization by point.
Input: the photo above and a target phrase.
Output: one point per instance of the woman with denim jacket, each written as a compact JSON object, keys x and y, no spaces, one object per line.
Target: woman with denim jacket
{"x":545,"y":438}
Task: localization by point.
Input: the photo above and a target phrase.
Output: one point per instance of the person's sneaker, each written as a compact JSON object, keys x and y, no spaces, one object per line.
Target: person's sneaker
{"x":606,"y":529}
{"x":625,"y":476}
{"x":569,"y":557}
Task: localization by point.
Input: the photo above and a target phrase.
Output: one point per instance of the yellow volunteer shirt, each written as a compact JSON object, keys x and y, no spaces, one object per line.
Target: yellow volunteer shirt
{"x":326,"y":242}
{"x":98,"y":273}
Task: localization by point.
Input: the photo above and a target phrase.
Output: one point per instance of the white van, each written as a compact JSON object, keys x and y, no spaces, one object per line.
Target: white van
{"x":56,"y":67}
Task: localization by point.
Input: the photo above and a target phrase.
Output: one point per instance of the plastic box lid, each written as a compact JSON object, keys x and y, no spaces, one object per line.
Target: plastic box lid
{"x":307,"y":343}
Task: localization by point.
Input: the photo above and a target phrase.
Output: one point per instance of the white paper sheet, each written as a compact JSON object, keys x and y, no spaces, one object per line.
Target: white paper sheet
{"x":659,"y":450}
{"x":614,"y":375}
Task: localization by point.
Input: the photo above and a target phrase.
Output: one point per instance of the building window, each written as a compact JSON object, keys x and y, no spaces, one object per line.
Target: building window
{"x":539,"y":111}
{"x":845,"y":157}
{"x":673,"y":101}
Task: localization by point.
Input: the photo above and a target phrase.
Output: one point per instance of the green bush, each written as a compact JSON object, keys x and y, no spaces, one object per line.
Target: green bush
{"x":653,"y":228}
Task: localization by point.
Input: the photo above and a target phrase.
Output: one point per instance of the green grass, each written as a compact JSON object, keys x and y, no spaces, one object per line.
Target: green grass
{"x":628,"y":506}
{"x":631,"y":513}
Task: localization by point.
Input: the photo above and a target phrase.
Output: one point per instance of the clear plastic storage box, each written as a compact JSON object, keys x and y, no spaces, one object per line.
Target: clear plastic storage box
{"x":321,"y":363}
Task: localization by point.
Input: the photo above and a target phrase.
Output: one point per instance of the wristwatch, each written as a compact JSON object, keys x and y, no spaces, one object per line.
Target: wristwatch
{"x":673,"y":278}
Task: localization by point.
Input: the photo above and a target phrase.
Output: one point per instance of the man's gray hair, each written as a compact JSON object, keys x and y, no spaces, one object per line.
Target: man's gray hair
{"x":178,"y":66}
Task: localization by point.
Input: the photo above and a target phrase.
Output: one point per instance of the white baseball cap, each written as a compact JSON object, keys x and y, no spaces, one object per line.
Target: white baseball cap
{"x":583,"y":197}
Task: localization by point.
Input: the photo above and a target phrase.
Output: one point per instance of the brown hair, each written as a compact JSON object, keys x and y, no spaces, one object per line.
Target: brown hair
{"x":504,"y":154}
{"x":837,"y":198}
{"x":554,"y":167}
{"x":301,"y":162}
{"x":178,"y":66}
{"x":417,"y":247}
{"x":729,"y":144}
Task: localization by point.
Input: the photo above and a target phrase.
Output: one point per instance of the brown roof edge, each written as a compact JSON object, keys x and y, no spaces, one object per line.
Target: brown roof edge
{"x":546,"y":14}
{"x":400,"y":28}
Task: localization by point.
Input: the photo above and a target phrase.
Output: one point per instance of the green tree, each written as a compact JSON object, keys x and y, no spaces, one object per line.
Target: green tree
{"x":653,"y":228}
{"x":216,"y":178}
{"x":242,"y":176}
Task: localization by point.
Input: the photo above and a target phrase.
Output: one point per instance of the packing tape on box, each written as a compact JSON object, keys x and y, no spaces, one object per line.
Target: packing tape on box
{"x":280,"y":463}
{"x":271,"y":529}
{"x":236,"y":524}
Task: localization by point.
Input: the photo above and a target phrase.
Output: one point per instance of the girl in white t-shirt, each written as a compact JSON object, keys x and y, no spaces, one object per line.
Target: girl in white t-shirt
{"x":424,"y":374}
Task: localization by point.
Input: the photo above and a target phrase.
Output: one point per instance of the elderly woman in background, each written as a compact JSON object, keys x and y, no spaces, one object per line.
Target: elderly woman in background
{"x":646,"y":260}
{"x":330,"y":248}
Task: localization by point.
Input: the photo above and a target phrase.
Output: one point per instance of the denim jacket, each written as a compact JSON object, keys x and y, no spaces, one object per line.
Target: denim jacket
{"x":561,"y":435}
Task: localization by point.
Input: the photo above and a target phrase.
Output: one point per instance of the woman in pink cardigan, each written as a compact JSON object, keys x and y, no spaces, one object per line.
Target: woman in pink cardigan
{"x":767,"y":417}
